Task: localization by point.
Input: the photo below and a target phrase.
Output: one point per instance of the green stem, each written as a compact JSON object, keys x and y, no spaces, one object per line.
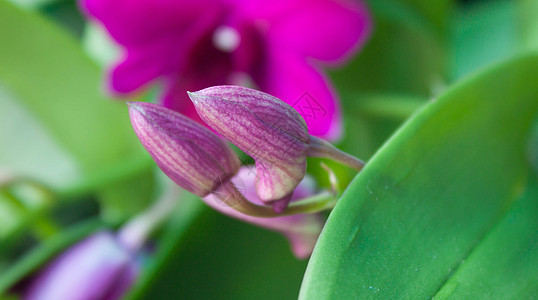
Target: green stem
{"x":321,"y":148}
{"x":231,"y":196}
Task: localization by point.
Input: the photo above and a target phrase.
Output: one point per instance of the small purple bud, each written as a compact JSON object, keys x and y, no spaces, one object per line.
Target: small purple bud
{"x":99,"y":267}
{"x":191,"y":155}
{"x":264,"y":127}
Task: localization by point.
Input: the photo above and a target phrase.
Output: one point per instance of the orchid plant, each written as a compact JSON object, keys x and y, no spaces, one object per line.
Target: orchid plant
{"x":248,"y":149}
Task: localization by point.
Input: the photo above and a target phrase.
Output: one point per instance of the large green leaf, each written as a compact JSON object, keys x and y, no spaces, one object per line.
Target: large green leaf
{"x":505,"y":264}
{"x":434,"y":196}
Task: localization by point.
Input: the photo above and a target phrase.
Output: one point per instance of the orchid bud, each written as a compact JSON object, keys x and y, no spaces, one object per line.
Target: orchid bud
{"x":267,"y":129}
{"x":302,"y":230}
{"x":99,"y":267}
{"x":195,"y":158}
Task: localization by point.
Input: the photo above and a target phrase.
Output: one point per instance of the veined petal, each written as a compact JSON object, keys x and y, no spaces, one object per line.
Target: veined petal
{"x":301,"y":230}
{"x":191,"y":155}
{"x":294,"y":81}
{"x":266,"y":128}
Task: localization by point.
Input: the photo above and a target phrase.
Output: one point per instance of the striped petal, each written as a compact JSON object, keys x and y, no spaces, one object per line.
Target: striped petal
{"x":264,"y":127}
{"x":191,"y":155}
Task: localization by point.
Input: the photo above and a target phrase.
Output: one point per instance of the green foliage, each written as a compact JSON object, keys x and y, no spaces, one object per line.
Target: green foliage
{"x":445,"y":208}
{"x":433,"y":197}
{"x":405,"y":54}
{"x":37,"y":62}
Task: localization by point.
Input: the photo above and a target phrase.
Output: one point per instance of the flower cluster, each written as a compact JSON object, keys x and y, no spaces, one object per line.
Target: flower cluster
{"x":279,"y":46}
{"x":264,"y":127}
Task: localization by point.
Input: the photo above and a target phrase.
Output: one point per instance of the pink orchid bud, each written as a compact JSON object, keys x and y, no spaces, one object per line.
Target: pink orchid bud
{"x":195,"y":158}
{"x":270,"y":131}
{"x":302,"y":230}
{"x":99,"y":267}
{"x":267,"y":129}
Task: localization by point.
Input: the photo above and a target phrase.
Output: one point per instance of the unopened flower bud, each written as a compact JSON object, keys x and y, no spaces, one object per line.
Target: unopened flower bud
{"x":99,"y":267}
{"x":267,"y":129}
{"x":270,"y":131}
{"x":191,"y":155}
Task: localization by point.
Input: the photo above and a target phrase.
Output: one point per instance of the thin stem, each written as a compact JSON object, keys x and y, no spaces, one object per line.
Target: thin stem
{"x":231,"y":196}
{"x":321,"y":148}
{"x":135,"y":233}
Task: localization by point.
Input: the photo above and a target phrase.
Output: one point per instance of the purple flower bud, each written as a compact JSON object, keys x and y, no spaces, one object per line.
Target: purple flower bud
{"x":264,"y":127}
{"x":191,"y":155}
{"x":99,"y":267}
{"x":302,"y":230}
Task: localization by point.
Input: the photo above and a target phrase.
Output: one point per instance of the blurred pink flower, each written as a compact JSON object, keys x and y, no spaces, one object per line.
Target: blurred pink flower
{"x":280,"y":45}
{"x":301,"y":230}
{"x":98,"y":267}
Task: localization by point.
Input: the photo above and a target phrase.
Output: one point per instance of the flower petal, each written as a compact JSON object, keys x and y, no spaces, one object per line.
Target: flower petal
{"x":192,"y":156}
{"x":291,"y":79}
{"x":135,"y":22}
{"x":301,"y":230}
{"x":264,"y":127}
{"x":95,"y":268}
{"x":329,"y":31}
{"x":141,"y":65}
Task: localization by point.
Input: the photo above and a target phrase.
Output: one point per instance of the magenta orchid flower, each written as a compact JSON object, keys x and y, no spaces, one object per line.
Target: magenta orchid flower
{"x":302,"y":230}
{"x":281,"y":45}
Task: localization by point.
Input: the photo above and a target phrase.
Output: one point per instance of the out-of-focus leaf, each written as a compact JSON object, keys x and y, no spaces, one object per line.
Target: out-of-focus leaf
{"x":38,"y":256}
{"x":67,"y":14}
{"x":28,"y":149}
{"x":49,"y":75}
{"x":369,"y":119}
{"x":483,"y":33}
{"x":31,"y":4}
{"x":405,"y":53}
{"x":63,"y":131}
{"x":129,"y":196}
{"x":527,"y":20}
{"x":437,"y":12}
{"x":433,"y":194}
{"x":168,"y":245}
{"x":24,"y":204}
{"x":221,"y":258}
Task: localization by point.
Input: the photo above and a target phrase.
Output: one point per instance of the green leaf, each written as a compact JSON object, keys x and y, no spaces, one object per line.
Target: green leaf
{"x":41,"y":254}
{"x":222,"y":258}
{"x":18,"y":158}
{"x":433,"y":195}
{"x":505,"y":264}
{"x":54,"y":83}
